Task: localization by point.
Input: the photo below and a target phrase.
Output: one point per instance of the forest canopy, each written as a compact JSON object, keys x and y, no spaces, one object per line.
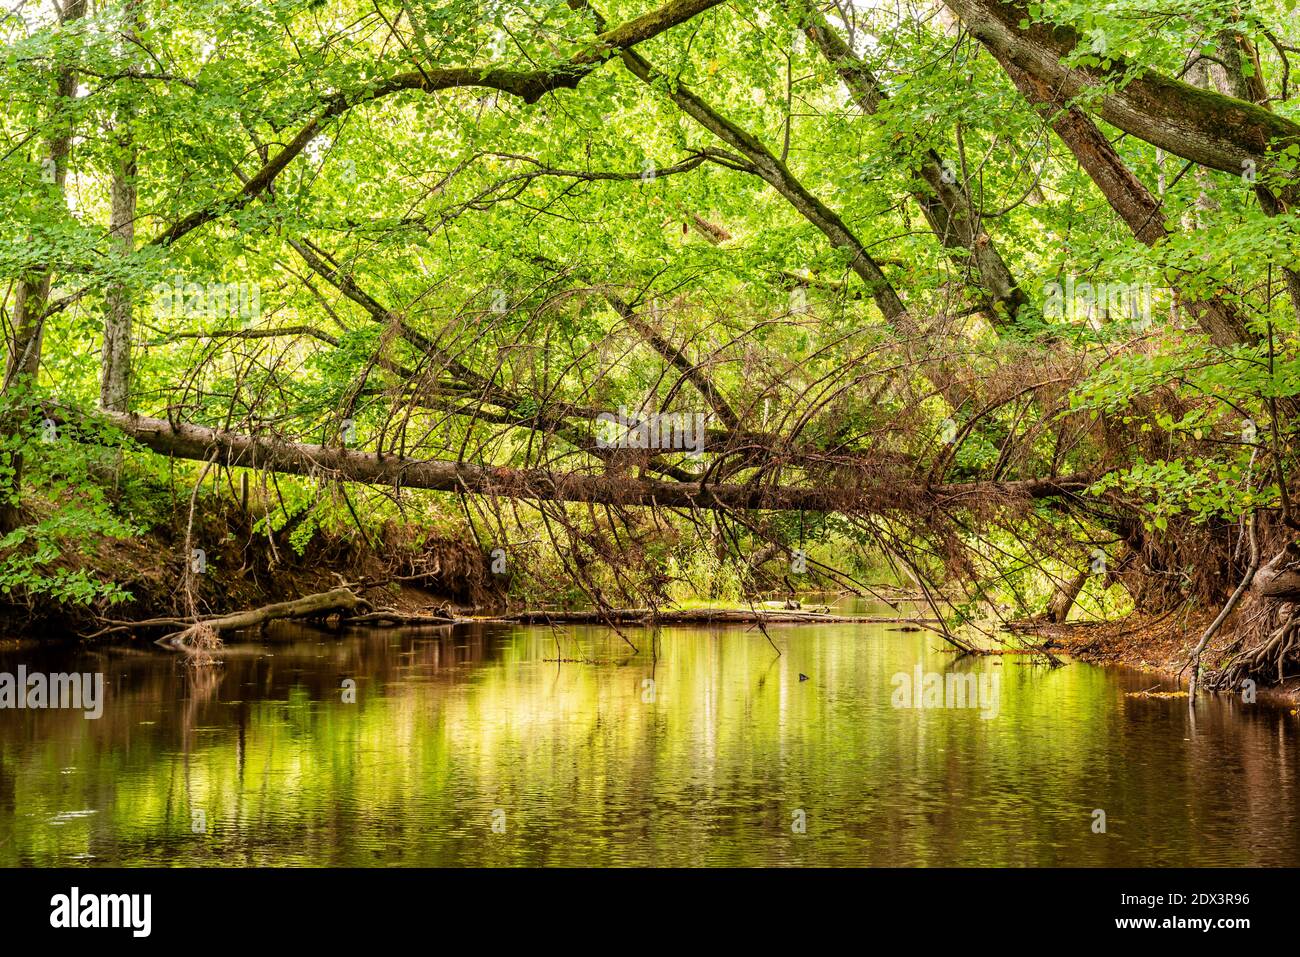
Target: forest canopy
{"x":697,"y":297}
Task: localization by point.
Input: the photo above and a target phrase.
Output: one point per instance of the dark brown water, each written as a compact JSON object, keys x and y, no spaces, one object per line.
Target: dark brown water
{"x":470,"y":747}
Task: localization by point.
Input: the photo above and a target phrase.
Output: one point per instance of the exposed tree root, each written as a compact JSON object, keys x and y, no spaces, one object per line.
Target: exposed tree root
{"x":1195,"y":659}
{"x":197,"y":643}
{"x":1266,"y":659}
{"x":1268,"y":630}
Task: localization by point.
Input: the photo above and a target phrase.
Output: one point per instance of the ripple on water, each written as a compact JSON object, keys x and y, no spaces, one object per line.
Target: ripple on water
{"x":470,"y":747}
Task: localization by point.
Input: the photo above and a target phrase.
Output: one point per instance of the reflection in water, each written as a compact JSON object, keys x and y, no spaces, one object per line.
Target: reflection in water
{"x":704,"y":754}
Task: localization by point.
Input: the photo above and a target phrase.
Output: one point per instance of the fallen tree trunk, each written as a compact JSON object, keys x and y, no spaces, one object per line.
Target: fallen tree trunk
{"x":201,"y":635}
{"x":198,"y":636}
{"x":1279,"y":579}
{"x":848,"y":491}
{"x":396,"y":619}
{"x":310,"y":606}
{"x":692,"y":616}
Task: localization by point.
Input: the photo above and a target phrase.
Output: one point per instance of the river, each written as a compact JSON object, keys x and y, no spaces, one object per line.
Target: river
{"x":475,"y":746}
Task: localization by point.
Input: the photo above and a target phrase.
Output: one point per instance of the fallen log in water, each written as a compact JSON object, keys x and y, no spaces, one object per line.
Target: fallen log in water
{"x":199,"y":634}
{"x":338,"y":600}
{"x":692,"y":616}
{"x":321,"y":603}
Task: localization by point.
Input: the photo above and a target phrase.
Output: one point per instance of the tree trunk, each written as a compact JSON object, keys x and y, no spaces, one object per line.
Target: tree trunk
{"x":32,"y":296}
{"x":115,"y":365}
{"x":1067,"y":593}
{"x":115,"y":368}
{"x":1211,"y":129}
{"x":1125,"y":193}
{"x":947,"y":206}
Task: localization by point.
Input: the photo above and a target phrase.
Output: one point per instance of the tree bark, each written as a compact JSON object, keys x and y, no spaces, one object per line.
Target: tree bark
{"x":338,"y":601}
{"x":1067,"y":593}
{"x":1235,"y":51}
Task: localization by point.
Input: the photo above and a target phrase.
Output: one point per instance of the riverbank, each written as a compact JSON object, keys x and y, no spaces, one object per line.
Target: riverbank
{"x":1160,"y":644}
{"x":219,"y":559}
{"x":413,"y":573}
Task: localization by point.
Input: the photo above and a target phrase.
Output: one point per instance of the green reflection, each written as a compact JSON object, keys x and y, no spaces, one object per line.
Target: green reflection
{"x":700,"y":751}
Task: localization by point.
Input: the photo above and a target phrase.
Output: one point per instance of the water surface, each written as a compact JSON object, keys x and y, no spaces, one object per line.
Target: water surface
{"x":475,"y":746}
